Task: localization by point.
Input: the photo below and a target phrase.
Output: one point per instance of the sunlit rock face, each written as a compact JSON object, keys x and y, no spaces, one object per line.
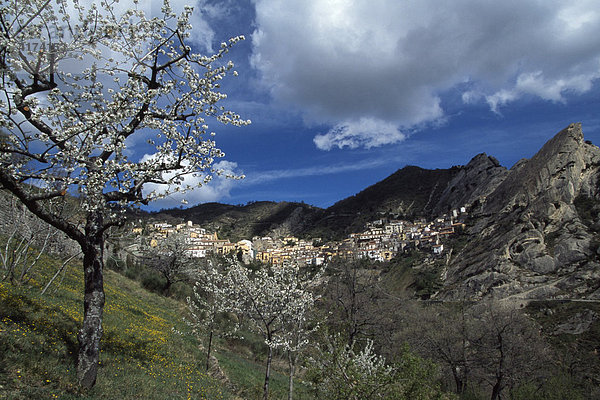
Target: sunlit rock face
{"x":535,"y":234}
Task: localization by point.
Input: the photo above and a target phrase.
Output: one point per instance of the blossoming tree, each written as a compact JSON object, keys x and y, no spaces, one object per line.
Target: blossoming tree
{"x":277,"y":302}
{"x":80,"y":86}
{"x":210,"y":305}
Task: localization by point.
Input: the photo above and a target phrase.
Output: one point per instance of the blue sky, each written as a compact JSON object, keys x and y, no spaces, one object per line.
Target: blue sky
{"x":342,"y":94}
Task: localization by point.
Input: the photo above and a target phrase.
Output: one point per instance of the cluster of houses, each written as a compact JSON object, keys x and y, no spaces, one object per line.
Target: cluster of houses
{"x":381,"y":241}
{"x":199,"y":242}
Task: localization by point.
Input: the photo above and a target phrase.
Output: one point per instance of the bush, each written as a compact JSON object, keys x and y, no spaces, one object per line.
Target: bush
{"x":181,"y":290}
{"x":153,"y":281}
{"x":340,"y":372}
{"x":116,"y":264}
{"x":133,"y":270}
{"x":556,"y":388}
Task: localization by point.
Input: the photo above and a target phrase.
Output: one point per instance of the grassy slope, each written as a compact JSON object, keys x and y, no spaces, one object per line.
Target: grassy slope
{"x":141,"y":357}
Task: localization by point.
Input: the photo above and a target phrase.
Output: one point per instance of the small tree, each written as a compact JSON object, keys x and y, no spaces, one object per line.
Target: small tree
{"x":509,"y":347}
{"x":211,"y":306}
{"x":300,"y":327}
{"x":489,"y":344}
{"x":347,"y":372}
{"x":276,"y":302}
{"x":442,"y":334}
{"x":79,"y":88}
{"x":353,"y":298}
{"x":25,"y":239}
{"x":169,"y":258}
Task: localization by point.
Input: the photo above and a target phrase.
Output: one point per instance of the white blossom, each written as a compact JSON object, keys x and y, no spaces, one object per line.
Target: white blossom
{"x":71,"y":111}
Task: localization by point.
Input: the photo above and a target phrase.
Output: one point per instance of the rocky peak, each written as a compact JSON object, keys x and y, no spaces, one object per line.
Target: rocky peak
{"x":472,"y":183}
{"x":558,"y":172}
{"x":530,"y":240}
{"x":482,"y":160}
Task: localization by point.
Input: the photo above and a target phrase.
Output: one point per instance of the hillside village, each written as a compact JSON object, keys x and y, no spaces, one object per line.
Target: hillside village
{"x":381,"y":241}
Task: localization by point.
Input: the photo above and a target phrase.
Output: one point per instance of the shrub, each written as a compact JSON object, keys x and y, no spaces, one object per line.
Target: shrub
{"x":340,"y":372}
{"x":153,"y":281}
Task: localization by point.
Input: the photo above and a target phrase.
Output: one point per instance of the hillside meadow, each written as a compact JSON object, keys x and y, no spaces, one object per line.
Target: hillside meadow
{"x":142,"y":356}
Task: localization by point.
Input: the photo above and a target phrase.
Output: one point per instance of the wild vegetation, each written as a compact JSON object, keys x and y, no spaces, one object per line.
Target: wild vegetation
{"x":143,"y":356}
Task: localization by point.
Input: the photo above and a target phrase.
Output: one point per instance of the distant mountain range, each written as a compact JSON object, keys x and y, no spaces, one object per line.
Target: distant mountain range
{"x":409,"y":193}
{"x":533,"y":231}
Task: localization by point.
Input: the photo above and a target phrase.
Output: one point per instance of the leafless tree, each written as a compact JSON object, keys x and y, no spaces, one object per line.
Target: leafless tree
{"x":440,"y":332}
{"x":508,"y":345}
{"x":488,"y":346}
{"x":353,"y":300}
{"x":25,"y":239}
{"x":168,"y":257}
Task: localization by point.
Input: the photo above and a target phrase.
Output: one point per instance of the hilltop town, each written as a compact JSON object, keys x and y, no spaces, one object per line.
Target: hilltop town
{"x":381,"y":241}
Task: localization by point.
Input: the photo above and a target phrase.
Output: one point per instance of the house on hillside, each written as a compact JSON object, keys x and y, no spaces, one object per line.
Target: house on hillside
{"x":198,"y":251}
{"x":247,"y":249}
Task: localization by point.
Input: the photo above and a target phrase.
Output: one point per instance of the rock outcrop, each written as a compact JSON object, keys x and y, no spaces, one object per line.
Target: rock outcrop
{"x":472,"y":184}
{"x":535,"y":235}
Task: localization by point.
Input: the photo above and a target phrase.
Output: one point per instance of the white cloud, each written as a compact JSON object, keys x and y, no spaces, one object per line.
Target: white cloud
{"x":366,"y":132}
{"x":319,"y":170}
{"x":217,"y":189}
{"x":534,"y":83}
{"x":500,"y":98}
{"x":471,"y":96}
{"x":390,"y":61}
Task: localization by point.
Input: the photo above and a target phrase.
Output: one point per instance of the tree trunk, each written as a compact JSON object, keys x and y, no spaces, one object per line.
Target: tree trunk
{"x":461,"y":384}
{"x":496,"y":389}
{"x":292,"y":364}
{"x":500,"y":371}
{"x":167,"y":288}
{"x":210,"y":337}
{"x":93,"y":304}
{"x":460,"y":372}
{"x":267,"y":374}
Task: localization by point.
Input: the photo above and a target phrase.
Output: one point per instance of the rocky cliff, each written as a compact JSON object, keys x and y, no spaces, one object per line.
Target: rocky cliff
{"x":535,"y":231}
{"x":471,"y":184}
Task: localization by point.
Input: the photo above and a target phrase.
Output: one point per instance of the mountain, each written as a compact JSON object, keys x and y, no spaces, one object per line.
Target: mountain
{"x":535,"y":235}
{"x":409,"y":193}
{"x":238,"y":222}
{"x":413,"y":192}
{"x":471,"y":185}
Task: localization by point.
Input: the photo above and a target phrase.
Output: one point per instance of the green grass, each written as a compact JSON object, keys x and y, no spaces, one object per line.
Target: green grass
{"x":250,"y":376}
{"x":141,"y":357}
{"x":244,"y":362}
